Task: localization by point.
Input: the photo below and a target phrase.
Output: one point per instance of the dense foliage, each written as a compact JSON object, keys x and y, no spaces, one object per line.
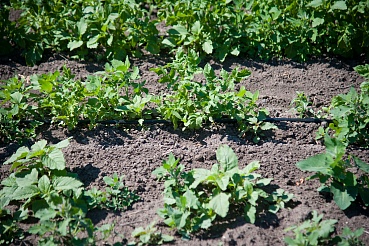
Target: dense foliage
{"x":295,"y":29}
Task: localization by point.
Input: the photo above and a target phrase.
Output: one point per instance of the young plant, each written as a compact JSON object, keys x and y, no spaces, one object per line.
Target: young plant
{"x":116,"y":196}
{"x":333,"y":172}
{"x":47,"y":192}
{"x":194,"y":200}
{"x":316,"y":231}
{"x":195,"y":103}
{"x":150,"y":236}
{"x":44,"y":191}
{"x":302,"y":105}
{"x":350,"y":113}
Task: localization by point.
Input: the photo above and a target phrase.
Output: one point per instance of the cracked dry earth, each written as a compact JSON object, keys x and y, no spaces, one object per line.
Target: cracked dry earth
{"x":136,"y":152}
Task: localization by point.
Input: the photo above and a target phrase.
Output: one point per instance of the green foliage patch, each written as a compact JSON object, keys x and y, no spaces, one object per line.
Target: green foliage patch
{"x":195,"y":200}
{"x":43,"y":190}
{"x":335,"y":173}
{"x":316,"y":231}
{"x":194,"y":101}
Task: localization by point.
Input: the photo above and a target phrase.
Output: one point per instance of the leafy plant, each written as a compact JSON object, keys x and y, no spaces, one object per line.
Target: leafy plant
{"x":350,"y":113}
{"x":150,"y":236}
{"x":44,"y":191}
{"x":116,"y":196}
{"x":194,"y":200}
{"x":302,"y":105}
{"x":333,"y":172}
{"x":115,"y":93}
{"x":194,"y":102}
{"x":316,"y":231}
{"x":82,"y":27}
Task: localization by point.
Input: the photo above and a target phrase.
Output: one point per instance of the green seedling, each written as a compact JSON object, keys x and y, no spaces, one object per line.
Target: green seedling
{"x":150,"y":236}
{"x":194,"y":200}
{"x":334,"y":173}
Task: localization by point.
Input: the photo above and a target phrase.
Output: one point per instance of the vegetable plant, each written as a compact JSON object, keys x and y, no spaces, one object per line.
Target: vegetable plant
{"x":194,"y":200}
{"x":316,"y":231}
{"x":195,"y":102}
{"x":334,"y":172}
{"x":61,"y":99}
{"x":110,"y":28}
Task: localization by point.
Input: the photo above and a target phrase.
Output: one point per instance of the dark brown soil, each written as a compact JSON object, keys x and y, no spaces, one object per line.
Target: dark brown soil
{"x":136,"y":152}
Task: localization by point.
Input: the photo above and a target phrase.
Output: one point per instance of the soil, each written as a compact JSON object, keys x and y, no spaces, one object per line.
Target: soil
{"x":135,"y":152}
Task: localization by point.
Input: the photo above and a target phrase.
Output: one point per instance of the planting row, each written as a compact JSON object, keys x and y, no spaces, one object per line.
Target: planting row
{"x":55,"y":202}
{"x":112,"y":29}
{"x":195,"y":96}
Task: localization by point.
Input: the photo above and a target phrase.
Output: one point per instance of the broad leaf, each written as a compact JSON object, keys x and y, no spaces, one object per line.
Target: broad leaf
{"x":44,"y":184}
{"x":66,"y":183}
{"x":19,"y":154}
{"x":207,"y":46}
{"x":343,"y":196}
{"x":250,"y":212}
{"x":317,"y":21}
{"x":62,"y":144}
{"x":54,"y":160}
{"x":25,"y":192}
{"x":45,"y":214}
{"x":226,"y":158}
{"x":29,"y":179}
{"x":315,"y":3}
{"x":40,"y":145}
{"x":317,"y":163}
{"x":341,"y":5}
{"x":362,"y":165}
{"x":251,"y":167}
{"x":74,"y":45}
{"x":220,"y":204}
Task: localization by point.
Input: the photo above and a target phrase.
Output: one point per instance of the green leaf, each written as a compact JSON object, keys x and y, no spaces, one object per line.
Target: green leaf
{"x":207,"y":46}
{"x":74,"y":45}
{"x":82,"y":26}
{"x":191,"y":199}
{"x":63,"y":226}
{"x":250,"y":213}
{"x":178,"y":30}
{"x":317,"y":21}
{"x":220,"y":204}
{"x":45,"y":214}
{"x":341,"y":5}
{"x":317,"y":163}
{"x":362,"y":165}
{"x":343,"y":196}
{"x":54,"y":160}
{"x":19,"y":154}
{"x":29,"y":179}
{"x":16,"y":97}
{"x":62,"y":144}
{"x":226,"y":158}
{"x":251,"y":167}
{"x":315,"y":3}
{"x":40,"y":145}
{"x":223,"y":182}
{"x":66,"y":183}
{"x":44,"y":184}
{"x":25,"y":192}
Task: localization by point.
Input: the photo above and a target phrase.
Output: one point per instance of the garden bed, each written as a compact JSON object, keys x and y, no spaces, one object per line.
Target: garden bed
{"x":135,"y":151}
